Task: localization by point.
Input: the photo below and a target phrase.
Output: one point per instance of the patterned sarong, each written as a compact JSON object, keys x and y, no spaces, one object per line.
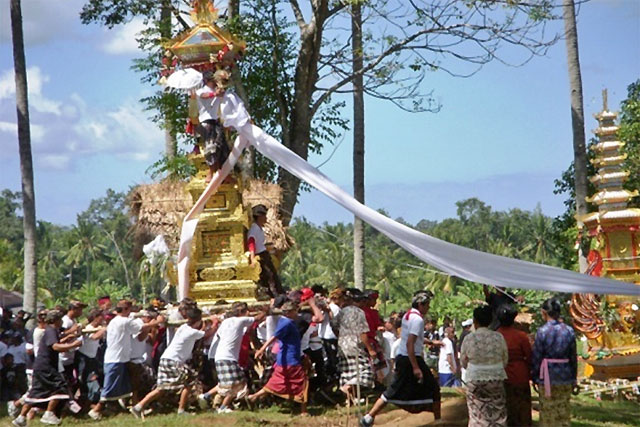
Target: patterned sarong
{"x":350,"y":366}
{"x":555,"y":410}
{"x":486,"y":402}
{"x":174,"y":375}
{"x":229,"y":373}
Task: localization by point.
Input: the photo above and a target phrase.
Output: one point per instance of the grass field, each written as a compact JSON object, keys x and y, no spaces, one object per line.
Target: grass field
{"x":586,"y":412}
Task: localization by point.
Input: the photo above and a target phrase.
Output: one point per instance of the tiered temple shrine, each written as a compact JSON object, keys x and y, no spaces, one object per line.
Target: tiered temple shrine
{"x":610,"y":323}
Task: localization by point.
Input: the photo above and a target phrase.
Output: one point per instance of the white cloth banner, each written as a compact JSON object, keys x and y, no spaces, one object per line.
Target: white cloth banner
{"x":456,"y":260}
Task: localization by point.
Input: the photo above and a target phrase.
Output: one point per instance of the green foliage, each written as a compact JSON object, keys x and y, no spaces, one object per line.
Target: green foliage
{"x":11,"y":238}
{"x":630,"y":133}
{"x":91,"y":291}
{"x":176,"y":168}
{"x":92,"y":256}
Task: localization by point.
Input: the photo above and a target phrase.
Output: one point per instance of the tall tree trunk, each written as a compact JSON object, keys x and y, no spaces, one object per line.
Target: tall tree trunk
{"x":305,"y":79}
{"x":170,"y":139}
{"x":358,"y":143}
{"x":577,"y":115}
{"x":26,"y":165}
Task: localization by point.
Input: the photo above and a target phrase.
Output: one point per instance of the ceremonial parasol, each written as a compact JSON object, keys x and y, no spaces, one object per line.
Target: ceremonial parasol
{"x":185,"y":79}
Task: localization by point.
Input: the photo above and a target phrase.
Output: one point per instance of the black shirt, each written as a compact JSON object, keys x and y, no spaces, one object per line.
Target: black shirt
{"x":302,"y":322}
{"x":47,"y":357}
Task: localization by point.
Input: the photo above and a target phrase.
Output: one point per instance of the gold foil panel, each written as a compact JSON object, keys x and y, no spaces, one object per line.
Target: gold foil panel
{"x":234,"y":290}
{"x":215,"y":243}
{"x":217,"y":201}
{"x":217,"y":274}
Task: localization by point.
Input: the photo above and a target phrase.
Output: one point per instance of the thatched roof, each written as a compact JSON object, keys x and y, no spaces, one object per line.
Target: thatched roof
{"x":159,"y":208}
{"x":269,"y":194}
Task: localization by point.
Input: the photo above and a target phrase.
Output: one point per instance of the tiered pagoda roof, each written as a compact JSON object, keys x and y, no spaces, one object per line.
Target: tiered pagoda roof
{"x":611,"y":198}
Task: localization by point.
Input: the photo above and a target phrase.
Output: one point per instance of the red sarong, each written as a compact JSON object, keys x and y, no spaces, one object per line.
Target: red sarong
{"x":288,"y":382}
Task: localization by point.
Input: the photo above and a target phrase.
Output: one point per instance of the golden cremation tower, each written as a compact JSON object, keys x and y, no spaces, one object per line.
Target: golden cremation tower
{"x":219,"y":269}
{"x":611,"y":323}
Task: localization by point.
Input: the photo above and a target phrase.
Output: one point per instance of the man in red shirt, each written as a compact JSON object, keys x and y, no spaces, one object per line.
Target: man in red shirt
{"x":375,"y":324}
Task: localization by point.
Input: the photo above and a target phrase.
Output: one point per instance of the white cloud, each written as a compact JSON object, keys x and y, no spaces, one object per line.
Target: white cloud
{"x":35,"y":80}
{"x":43,"y":20}
{"x":66,"y":131}
{"x":123,"y":39}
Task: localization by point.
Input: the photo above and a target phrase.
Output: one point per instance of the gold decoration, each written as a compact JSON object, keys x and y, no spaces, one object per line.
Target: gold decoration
{"x":203,"y":12}
{"x":217,"y":274}
{"x":614,"y":227}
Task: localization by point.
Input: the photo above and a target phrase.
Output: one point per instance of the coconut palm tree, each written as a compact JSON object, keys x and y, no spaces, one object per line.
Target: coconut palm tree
{"x":358,"y":141}
{"x":577,"y":108}
{"x":86,"y":248}
{"x":26,"y":164}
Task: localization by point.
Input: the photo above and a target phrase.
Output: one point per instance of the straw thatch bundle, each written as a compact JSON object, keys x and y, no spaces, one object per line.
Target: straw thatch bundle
{"x":158,"y":209}
{"x":269,"y":194}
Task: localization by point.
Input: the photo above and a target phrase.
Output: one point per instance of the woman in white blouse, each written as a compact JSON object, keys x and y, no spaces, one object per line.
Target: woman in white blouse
{"x":484,"y":355}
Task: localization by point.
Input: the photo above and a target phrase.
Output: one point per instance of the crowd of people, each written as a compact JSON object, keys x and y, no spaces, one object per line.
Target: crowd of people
{"x":305,"y":344}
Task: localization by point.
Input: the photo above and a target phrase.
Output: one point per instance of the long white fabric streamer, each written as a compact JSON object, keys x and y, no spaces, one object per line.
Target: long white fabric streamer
{"x":455,"y":260}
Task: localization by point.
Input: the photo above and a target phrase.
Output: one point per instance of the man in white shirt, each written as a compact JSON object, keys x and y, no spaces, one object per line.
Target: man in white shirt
{"x":447,"y":366}
{"x":70,"y":326}
{"x":116,"y":377}
{"x":141,"y":375}
{"x":173,"y":372}
{"x":389,"y":338}
{"x":87,"y":354}
{"x":208,"y":124}
{"x":329,"y":338}
{"x":413,"y":388}
{"x":269,"y":279}
{"x":231,"y":377}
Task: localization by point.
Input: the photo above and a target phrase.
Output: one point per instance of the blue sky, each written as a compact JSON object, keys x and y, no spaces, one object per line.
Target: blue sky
{"x":502,"y":135}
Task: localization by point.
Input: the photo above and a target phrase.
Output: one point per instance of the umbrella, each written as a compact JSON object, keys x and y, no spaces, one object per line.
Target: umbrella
{"x":185,"y":79}
{"x":9,"y":299}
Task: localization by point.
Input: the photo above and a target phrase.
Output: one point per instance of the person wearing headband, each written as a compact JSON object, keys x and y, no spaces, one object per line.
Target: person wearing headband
{"x":49,"y":385}
{"x":413,"y":388}
{"x":258,"y":253}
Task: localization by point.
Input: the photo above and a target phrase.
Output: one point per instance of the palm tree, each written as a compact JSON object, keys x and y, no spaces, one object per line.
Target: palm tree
{"x":336,"y":255}
{"x":358,"y":142}
{"x":540,"y":238}
{"x":577,"y":109}
{"x":26,"y":165}
{"x":86,"y":249}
